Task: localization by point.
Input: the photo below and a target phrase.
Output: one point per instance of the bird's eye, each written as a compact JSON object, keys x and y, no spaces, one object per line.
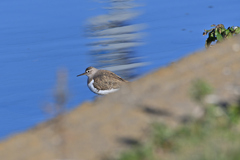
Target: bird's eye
{"x":87,"y":71}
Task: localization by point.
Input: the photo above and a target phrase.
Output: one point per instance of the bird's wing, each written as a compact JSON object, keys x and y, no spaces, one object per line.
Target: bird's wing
{"x":108,"y":80}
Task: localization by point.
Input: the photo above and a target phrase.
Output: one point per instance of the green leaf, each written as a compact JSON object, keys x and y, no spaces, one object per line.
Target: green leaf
{"x":218,"y":35}
{"x":237,"y":31}
{"x":220,"y":26}
{"x":231,"y":29}
{"x":227,"y":32}
{"x":211,"y":34}
{"x":229,"y":35}
{"x":222,"y":30}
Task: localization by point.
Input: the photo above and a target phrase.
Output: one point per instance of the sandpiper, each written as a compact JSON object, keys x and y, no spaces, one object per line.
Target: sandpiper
{"x":102,"y":81}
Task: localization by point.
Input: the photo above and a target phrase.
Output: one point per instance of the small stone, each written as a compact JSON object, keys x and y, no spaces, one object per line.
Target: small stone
{"x":237,"y":90}
{"x":211,"y":99}
{"x":236,"y":47}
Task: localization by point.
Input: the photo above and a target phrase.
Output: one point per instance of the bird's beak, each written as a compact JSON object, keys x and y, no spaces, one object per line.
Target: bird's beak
{"x":81,"y":74}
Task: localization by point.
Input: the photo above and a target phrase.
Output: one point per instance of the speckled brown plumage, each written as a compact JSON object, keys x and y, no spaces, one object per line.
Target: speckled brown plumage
{"x":102,"y":81}
{"x":105,"y":80}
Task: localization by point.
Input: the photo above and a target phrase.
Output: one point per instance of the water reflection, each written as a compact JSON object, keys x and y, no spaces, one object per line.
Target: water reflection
{"x":114,"y":39}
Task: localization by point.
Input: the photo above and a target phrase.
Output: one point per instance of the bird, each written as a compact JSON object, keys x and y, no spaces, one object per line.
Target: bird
{"x":102,"y":82}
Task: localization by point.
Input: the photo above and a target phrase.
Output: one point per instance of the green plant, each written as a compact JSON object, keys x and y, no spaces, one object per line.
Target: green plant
{"x":205,"y":139}
{"x":139,"y":153}
{"x":213,"y":137}
{"x":162,"y":136}
{"x":199,"y":90}
{"x":219,"y":33}
{"x":234,"y":113}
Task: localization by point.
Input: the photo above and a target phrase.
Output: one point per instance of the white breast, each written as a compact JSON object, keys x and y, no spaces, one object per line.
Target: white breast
{"x":102,"y":92}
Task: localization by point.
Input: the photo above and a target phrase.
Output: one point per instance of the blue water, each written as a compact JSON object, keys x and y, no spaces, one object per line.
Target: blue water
{"x":40,"y":37}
